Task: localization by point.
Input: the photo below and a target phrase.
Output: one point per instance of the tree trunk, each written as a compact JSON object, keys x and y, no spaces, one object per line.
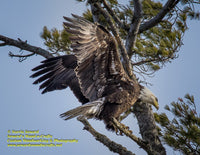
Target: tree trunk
{"x":146,"y":121}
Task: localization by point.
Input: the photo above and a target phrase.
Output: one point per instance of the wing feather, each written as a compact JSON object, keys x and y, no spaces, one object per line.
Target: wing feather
{"x":58,"y":73}
{"x":99,"y":71}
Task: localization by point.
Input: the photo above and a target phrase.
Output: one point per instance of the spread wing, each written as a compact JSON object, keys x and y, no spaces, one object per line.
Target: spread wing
{"x":99,"y":71}
{"x":58,"y":73}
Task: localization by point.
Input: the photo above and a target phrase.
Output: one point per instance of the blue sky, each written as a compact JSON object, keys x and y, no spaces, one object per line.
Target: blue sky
{"x":23,"y":106}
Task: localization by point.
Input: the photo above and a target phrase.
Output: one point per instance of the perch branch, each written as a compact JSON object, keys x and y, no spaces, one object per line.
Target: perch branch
{"x":23,"y":45}
{"x":113,"y":146}
{"x":139,"y":141}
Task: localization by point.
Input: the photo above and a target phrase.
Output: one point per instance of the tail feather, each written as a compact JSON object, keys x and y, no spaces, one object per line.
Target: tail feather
{"x":88,"y":110}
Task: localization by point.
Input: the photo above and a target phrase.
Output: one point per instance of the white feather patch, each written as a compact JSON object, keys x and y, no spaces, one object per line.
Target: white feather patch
{"x":93,"y":110}
{"x":96,"y":110}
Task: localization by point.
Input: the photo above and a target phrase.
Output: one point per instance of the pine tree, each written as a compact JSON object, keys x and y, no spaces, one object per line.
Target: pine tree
{"x":182,"y":133}
{"x":149,"y":35}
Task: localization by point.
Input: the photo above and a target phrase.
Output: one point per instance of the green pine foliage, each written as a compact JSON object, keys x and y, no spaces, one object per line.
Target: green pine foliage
{"x":161,"y":43}
{"x":56,"y":41}
{"x":182,"y":133}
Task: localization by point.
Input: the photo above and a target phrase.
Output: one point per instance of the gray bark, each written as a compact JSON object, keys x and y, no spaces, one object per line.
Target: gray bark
{"x":113,"y":146}
{"x":23,"y":45}
{"x":147,"y":126}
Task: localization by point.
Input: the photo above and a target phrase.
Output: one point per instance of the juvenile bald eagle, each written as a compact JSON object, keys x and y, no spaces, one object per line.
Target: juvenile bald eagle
{"x":94,"y":73}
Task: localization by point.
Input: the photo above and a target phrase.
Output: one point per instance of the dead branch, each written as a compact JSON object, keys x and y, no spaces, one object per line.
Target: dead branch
{"x":23,"y":45}
{"x":2,"y":44}
{"x":152,"y":60}
{"x":116,"y":19}
{"x":20,"y":56}
{"x":128,"y":133}
{"x":113,"y":146}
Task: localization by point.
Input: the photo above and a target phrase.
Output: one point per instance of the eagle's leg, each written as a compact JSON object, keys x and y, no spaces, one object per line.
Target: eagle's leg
{"x":126,"y":128}
{"x":118,"y":127}
{"x":118,"y":131}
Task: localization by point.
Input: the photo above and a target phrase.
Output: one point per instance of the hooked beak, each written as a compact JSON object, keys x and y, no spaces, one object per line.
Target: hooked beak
{"x":156,"y":105}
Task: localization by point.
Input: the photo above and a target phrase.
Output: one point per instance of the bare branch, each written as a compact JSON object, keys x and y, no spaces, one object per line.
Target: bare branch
{"x":113,"y":146}
{"x":95,"y":13}
{"x":20,"y":56}
{"x":170,"y":4}
{"x":2,"y":44}
{"x":152,"y":60}
{"x":139,"y":141}
{"x":133,"y":31}
{"x":24,"y":46}
{"x":112,"y":13}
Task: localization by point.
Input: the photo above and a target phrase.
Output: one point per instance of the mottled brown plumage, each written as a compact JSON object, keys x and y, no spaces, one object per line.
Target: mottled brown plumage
{"x":94,"y":73}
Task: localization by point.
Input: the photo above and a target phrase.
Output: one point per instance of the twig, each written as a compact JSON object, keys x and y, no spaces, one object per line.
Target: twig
{"x":151,"y":60}
{"x":170,"y":4}
{"x":24,"y":46}
{"x":20,"y":56}
{"x":113,"y":146}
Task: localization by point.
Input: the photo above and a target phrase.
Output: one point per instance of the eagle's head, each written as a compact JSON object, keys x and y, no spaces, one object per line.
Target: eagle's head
{"x":147,"y":96}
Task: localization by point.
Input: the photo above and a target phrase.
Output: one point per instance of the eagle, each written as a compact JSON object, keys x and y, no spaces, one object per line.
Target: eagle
{"x":94,"y":73}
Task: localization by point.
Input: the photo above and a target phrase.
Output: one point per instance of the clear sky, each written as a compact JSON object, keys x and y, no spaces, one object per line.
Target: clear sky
{"x":24,"y":108}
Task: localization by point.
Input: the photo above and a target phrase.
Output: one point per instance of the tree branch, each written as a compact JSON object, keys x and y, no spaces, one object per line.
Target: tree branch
{"x":2,"y":44}
{"x":95,"y":13}
{"x":139,"y":141}
{"x":133,"y":31}
{"x":152,"y":60}
{"x":112,"y":13}
{"x":20,"y":56}
{"x":24,"y":46}
{"x":113,"y":146}
{"x":170,"y":4}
